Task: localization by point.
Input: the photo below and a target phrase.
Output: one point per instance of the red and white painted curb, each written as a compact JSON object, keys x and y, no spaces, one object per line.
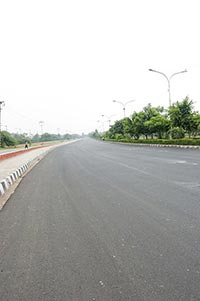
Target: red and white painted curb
{"x":7,"y":182}
{"x":12,"y":154}
{"x":12,"y":178}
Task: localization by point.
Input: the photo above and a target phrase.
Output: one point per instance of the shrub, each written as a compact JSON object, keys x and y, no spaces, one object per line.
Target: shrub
{"x":118,"y":137}
{"x":177,"y":133}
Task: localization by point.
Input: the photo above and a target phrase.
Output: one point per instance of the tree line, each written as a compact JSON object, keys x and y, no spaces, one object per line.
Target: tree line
{"x":179,"y":121}
{"x":11,"y":139}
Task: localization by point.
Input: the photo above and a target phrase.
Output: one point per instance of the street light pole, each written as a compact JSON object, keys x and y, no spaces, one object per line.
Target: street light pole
{"x":168,"y":80}
{"x":2,"y":103}
{"x":98,"y":126}
{"x":102,"y":122}
{"x":41,"y":125}
{"x":108,"y":119}
{"x":124,"y":105}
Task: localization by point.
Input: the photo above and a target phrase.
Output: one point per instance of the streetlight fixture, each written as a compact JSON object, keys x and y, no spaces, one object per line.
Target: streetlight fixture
{"x":124,"y":105}
{"x":108,"y":118}
{"x":168,"y":80}
{"x":2,"y":104}
{"x":100,"y":125}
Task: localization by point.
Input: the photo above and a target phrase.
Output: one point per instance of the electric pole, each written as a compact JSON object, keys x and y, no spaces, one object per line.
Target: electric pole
{"x":41,"y":125}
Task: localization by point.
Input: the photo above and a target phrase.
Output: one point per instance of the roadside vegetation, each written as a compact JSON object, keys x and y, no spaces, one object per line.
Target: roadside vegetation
{"x":180,"y":124}
{"x":14,"y":140}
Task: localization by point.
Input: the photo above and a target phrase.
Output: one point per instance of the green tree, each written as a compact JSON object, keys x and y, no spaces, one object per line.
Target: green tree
{"x":36,"y":138}
{"x":196,"y":124}
{"x":94,"y":134}
{"x":22,"y":138}
{"x":158,"y":125}
{"x":138,"y":125}
{"x":152,"y":111}
{"x":7,"y":139}
{"x":181,"y":115}
{"x":127,"y":127}
{"x":67,"y":136}
{"x":117,"y":128}
{"x":49,"y":137}
{"x":141,"y":121}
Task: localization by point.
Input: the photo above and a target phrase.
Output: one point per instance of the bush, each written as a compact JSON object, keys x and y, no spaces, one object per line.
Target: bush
{"x":118,"y":137}
{"x":177,"y":133}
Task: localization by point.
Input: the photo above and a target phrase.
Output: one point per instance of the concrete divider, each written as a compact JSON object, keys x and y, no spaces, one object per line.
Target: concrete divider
{"x":12,"y":178}
{"x":19,"y":152}
{"x":156,"y":145}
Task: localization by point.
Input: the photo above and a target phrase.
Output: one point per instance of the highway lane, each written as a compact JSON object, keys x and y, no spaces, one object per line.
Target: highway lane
{"x":102,"y":221}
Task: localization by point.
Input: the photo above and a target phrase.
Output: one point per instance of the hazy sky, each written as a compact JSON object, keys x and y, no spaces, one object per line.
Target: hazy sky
{"x":64,"y":61}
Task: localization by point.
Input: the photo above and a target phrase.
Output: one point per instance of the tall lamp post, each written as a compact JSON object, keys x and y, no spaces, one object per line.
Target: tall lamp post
{"x":100,"y":125}
{"x":41,"y":123}
{"x":2,"y":103}
{"x":168,"y":80}
{"x":124,"y":105}
{"x":102,"y":122}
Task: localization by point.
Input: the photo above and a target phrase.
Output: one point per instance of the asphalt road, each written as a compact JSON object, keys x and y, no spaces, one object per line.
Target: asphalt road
{"x":101,"y":221}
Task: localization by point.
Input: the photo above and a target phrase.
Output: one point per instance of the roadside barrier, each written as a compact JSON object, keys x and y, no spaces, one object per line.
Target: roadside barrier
{"x":19,"y":152}
{"x":12,"y":178}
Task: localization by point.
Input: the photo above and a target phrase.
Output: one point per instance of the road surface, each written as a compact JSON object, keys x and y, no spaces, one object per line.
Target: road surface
{"x":102,"y":221}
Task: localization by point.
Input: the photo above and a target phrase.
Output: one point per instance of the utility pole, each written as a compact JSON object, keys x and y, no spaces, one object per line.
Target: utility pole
{"x":41,"y":125}
{"x":2,"y":103}
{"x":102,"y":122}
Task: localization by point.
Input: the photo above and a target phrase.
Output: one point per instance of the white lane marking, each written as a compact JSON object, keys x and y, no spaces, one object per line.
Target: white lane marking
{"x":180,"y":162}
{"x":101,"y":282}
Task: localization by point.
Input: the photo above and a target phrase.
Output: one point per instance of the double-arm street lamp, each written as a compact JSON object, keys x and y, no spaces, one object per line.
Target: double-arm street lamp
{"x":168,"y":80}
{"x":108,"y":118}
{"x":101,"y":123}
{"x":124,"y":105}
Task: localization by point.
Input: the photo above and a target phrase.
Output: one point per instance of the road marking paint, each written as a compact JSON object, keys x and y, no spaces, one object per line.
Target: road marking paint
{"x":101,"y":282}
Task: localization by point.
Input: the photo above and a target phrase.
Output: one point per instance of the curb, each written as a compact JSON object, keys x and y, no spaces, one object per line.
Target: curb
{"x":8,"y":184}
{"x":12,"y":178}
{"x":19,"y":152}
{"x":169,"y":145}
{"x":157,"y":145}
